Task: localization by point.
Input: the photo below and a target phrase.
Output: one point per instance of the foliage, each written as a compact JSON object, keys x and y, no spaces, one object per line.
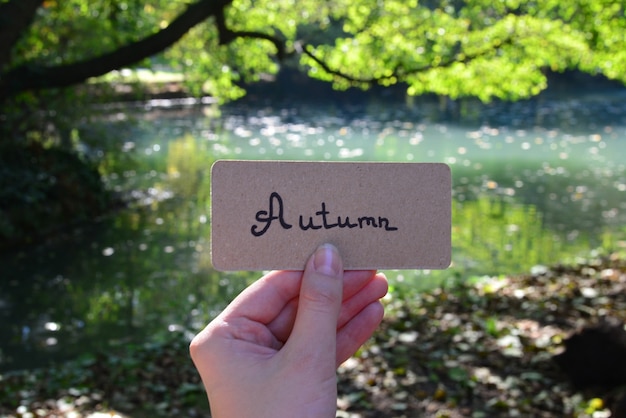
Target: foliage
{"x":478,"y":48}
{"x":42,"y":188}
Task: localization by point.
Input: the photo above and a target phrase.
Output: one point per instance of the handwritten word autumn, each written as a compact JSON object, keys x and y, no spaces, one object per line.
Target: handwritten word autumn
{"x":322,"y":219}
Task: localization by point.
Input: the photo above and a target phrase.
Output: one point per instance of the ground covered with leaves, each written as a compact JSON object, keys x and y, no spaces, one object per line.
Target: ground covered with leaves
{"x":483,"y":348}
{"x":486,"y":349}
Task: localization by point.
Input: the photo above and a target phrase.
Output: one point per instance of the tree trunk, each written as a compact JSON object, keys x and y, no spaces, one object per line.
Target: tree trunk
{"x":15,"y":17}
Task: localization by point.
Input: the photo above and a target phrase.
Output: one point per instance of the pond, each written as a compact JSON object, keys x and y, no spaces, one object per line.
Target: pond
{"x":534,"y":183}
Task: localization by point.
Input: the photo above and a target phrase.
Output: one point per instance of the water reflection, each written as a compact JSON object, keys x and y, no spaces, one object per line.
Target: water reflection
{"x":534,"y":183}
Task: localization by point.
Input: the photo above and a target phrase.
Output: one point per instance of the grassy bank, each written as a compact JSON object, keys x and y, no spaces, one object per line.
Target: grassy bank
{"x":480,"y":349}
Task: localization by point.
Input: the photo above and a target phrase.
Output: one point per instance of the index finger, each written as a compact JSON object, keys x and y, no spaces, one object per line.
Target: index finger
{"x":264,"y":299}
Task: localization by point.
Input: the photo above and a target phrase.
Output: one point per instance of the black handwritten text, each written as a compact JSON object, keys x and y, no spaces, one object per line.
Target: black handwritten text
{"x":321,"y":220}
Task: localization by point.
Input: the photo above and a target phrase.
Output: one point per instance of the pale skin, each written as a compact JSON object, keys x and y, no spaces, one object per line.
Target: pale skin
{"x":274,"y":351}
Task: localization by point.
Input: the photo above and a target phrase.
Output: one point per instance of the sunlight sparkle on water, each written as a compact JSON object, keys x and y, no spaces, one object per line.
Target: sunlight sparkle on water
{"x":294,"y":139}
{"x":268,"y":131}
{"x":220,"y":149}
{"x":347,"y":153}
{"x":491,"y":185}
{"x":242,"y":132}
{"x":416,"y":138}
{"x":52,"y":326}
{"x":275,"y":142}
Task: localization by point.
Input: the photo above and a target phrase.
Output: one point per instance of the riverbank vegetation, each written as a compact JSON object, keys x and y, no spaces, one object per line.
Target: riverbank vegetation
{"x":44,"y":191}
{"x":482,"y":348}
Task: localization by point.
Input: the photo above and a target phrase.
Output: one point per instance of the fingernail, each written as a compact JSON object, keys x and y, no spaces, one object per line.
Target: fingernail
{"x":327,"y":260}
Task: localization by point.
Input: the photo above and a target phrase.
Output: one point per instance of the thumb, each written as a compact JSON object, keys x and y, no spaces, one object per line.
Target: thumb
{"x":314,"y":333}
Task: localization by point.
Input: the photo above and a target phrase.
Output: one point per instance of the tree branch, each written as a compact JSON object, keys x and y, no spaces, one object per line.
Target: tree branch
{"x":399,"y":72}
{"x":307,"y":50}
{"x":32,"y":77}
{"x":226,"y":36}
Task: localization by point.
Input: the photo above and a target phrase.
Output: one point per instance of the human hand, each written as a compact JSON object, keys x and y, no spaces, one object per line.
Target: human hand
{"x":274,"y":351}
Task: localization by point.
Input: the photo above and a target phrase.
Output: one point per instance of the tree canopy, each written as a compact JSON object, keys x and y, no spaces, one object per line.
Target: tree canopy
{"x":483,"y":48}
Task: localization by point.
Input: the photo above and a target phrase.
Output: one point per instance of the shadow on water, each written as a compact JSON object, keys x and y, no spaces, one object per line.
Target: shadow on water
{"x":535,"y":182}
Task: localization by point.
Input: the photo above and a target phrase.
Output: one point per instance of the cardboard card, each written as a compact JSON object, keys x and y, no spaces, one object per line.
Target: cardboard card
{"x":269,"y":215}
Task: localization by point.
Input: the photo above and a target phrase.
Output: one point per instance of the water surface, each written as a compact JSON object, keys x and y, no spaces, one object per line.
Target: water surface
{"x":534,"y":183}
